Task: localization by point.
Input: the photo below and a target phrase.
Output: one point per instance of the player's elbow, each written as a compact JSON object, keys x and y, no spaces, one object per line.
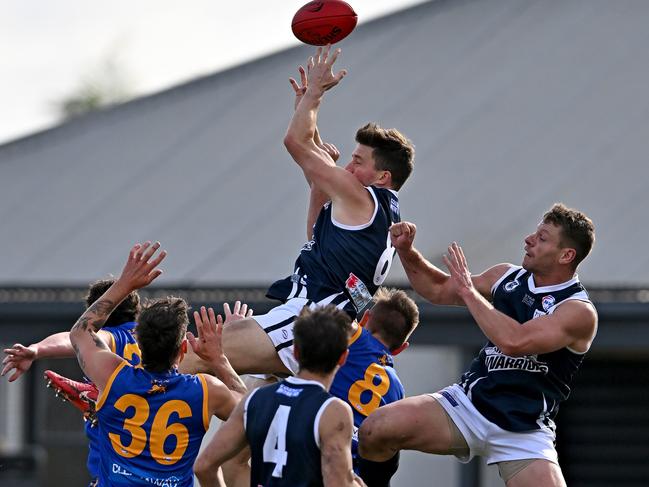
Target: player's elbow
{"x":202,"y":470}
{"x":368,"y":437}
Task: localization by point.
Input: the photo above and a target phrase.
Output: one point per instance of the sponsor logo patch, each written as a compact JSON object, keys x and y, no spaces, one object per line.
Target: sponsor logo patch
{"x":547,"y":302}
{"x":511,"y":285}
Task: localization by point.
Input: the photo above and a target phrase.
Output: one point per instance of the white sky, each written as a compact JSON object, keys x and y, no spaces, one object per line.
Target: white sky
{"x":48,"y":47}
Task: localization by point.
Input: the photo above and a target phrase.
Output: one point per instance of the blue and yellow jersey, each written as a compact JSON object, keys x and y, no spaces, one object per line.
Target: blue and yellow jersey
{"x":367,"y":380}
{"x":150,"y":427}
{"x":122,"y":342}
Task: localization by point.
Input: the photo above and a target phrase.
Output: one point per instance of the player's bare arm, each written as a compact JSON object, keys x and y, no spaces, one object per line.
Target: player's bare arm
{"x":337,"y":183}
{"x":335,"y":429}
{"x":573,"y":324}
{"x":428,"y":280}
{"x":20,"y":358}
{"x":229,"y":440}
{"x":209,"y":347}
{"x":94,"y":356}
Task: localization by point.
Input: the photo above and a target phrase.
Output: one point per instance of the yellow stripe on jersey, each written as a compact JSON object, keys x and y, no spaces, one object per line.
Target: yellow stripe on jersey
{"x":109,"y":383}
{"x":206,"y":412}
{"x":356,"y":334}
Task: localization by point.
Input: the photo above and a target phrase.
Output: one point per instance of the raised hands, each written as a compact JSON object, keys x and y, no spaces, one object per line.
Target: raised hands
{"x":19,"y":359}
{"x":321,"y":77}
{"x":240,"y":312}
{"x":208,"y":345}
{"x":139,"y":270}
{"x":458,"y":268}
{"x":402,"y":235}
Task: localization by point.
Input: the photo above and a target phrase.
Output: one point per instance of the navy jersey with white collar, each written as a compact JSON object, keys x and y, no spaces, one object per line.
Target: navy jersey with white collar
{"x":523,"y":393}
{"x":281,"y":423}
{"x":343,"y":264}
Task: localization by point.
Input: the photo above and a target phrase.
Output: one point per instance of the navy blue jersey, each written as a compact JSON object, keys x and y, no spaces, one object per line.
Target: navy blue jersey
{"x":367,"y":380}
{"x":281,"y":422}
{"x":342,"y":264}
{"x":523,"y":393}
{"x":122,"y":343}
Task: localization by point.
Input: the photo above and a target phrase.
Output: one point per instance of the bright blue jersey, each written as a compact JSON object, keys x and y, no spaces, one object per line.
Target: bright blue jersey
{"x":122,"y":343}
{"x":150,"y":427}
{"x":343,"y":264}
{"x":367,"y":380}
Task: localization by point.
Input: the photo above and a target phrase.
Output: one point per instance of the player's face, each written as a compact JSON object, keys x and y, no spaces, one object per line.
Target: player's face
{"x":362,"y":166}
{"x":542,"y":248}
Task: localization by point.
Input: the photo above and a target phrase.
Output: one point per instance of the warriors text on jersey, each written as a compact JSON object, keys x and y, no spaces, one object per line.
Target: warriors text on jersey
{"x":150,"y":427}
{"x":281,"y":422}
{"x":523,"y":393}
{"x":122,"y":343}
{"x":367,"y":380}
{"x":342,"y":264}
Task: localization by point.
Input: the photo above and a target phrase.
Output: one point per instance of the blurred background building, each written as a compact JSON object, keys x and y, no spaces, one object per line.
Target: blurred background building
{"x":512,"y":105}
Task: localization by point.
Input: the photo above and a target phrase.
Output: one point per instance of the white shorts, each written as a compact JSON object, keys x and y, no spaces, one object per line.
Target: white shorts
{"x":278,"y":325}
{"x":490,"y":441}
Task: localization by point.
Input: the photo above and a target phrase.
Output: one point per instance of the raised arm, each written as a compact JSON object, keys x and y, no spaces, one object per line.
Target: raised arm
{"x":300,"y":139}
{"x":429,"y":281}
{"x":94,"y":356}
{"x":573,"y":324}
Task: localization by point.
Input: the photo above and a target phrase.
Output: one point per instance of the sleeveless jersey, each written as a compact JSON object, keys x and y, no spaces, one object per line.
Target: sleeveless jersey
{"x":523,"y":393}
{"x":342,"y":264}
{"x":281,"y":422}
{"x":150,"y":427}
{"x":367,"y":380}
{"x":123,"y":344}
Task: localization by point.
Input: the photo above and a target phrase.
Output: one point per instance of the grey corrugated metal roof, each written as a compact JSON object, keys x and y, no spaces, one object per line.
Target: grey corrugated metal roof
{"x":512,"y":105}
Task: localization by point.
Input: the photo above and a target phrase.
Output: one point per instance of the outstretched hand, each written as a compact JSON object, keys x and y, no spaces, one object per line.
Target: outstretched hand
{"x":240,"y":312}
{"x":208,"y":345}
{"x":402,"y":235}
{"x":458,"y":268}
{"x":320,"y":76}
{"x":19,"y":359}
{"x":139,"y":270}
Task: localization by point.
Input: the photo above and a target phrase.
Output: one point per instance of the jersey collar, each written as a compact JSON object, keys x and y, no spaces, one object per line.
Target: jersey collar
{"x":549,"y":289}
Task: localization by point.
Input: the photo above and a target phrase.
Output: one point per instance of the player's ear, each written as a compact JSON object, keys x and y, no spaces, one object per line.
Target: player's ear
{"x":567,"y":255}
{"x":400,"y":348}
{"x":343,"y":358}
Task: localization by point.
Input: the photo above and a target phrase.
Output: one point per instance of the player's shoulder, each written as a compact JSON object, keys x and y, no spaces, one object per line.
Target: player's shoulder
{"x":336,"y":410}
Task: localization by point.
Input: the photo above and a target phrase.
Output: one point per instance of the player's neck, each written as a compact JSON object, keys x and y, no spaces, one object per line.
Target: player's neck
{"x":552,"y":278}
{"x":324,"y":379}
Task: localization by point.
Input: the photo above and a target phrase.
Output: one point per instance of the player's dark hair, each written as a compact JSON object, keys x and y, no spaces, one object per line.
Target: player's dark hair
{"x":394,"y":316}
{"x":392,"y":151}
{"x":320,"y":337}
{"x":126,"y":311}
{"x":160,"y":332}
{"x":577,"y":230}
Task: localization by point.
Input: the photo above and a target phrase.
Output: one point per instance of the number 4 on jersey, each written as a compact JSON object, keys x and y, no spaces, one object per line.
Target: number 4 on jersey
{"x":275,"y":442}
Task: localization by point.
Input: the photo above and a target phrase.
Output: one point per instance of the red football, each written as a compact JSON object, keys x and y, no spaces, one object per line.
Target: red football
{"x":324,"y":22}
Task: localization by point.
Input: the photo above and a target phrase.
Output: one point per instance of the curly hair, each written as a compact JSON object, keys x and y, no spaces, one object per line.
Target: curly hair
{"x":127,"y":310}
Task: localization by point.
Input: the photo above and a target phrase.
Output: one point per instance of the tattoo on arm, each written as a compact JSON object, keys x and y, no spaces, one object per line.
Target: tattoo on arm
{"x":99,"y":343}
{"x":95,"y":316}
{"x":82,"y":363}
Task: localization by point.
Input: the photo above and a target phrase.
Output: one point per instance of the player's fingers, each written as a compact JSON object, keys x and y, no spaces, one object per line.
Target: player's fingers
{"x":206,"y":320}
{"x":219,"y":321}
{"x":140,"y":252}
{"x":302,"y":76}
{"x":294,"y":85}
{"x":6,"y":368}
{"x":212,"y":317}
{"x":237,"y":307}
{"x":199,"y":323}
{"x":341,"y":74}
{"x":16,"y":374}
{"x":249,"y":313}
{"x":334,"y":56}
{"x":192,"y":341}
{"x":226,"y":310}
{"x":243,"y":310}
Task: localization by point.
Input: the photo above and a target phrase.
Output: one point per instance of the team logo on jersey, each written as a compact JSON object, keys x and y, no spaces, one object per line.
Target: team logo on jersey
{"x":157,"y":387}
{"x":358,"y":291}
{"x":547,"y":302}
{"x":495,"y":360}
{"x":511,"y":285}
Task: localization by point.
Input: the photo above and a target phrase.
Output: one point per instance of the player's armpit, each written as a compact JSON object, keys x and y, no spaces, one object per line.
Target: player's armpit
{"x":335,"y":429}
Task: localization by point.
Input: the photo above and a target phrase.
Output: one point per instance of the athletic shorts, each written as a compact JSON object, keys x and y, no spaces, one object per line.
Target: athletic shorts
{"x":278,"y":325}
{"x":489,"y":440}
